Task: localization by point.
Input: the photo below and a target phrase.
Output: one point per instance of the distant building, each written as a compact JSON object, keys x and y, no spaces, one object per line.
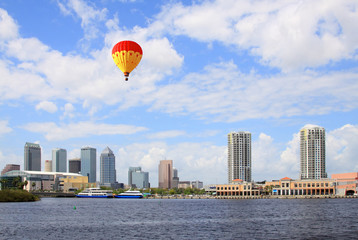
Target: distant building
{"x":312,"y":152}
{"x":137,"y":178}
{"x":165,"y":174}
{"x":74,"y":165}
{"x":184,"y":184}
{"x":88,"y":163}
{"x":32,"y":157}
{"x":48,"y":166}
{"x":197,"y":184}
{"x":107,"y":168}
{"x":130,"y":171}
{"x":59,"y":160}
{"x":175,"y":180}
{"x":10,"y":167}
{"x":239,"y":156}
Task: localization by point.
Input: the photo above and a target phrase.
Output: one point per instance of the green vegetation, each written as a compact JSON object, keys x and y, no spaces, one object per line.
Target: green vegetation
{"x":16,"y":195}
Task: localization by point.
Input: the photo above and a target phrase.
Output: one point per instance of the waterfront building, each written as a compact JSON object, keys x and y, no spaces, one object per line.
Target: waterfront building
{"x":74,"y":165}
{"x":239,"y":156}
{"x":37,"y":180}
{"x":48,"y":166}
{"x":32,"y":157}
{"x":175,"y":180}
{"x":70,"y":183}
{"x":238,"y":188}
{"x":88,"y":163}
{"x":59,"y":160}
{"x":346,"y":183}
{"x":302,"y":187}
{"x":312,"y":152}
{"x":165,"y":174}
{"x":137,"y":178}
{"x":107,"y":168}
{"x":10,"y":167}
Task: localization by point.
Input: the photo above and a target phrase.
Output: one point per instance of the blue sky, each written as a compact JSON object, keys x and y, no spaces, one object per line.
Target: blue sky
{"x":208,"y":68}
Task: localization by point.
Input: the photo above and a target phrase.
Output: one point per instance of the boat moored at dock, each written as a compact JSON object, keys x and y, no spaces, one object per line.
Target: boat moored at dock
{"x":95,"y":193}
{"x":130,"y":194}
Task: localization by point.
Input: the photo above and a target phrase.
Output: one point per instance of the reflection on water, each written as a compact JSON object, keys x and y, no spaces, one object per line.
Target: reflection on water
{"x":72,"y":218}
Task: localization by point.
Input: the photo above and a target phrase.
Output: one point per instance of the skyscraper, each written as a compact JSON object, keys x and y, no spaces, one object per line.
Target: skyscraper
{"x":313,"y":152}
{"x":107,"y":167}
{"x":74,"y":165}
{"x":138,"y":178}
{"x":10,"y":167}
{"x":32,"y":157}
{"x":239,"y":156}
{"x":165,"y":174}
{"x":88,"y":163}
{"x":175,"y":180}
{"x":59,"y":160}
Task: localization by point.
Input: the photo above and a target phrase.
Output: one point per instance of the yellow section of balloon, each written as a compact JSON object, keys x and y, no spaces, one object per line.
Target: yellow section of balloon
{"x":126,"y":61}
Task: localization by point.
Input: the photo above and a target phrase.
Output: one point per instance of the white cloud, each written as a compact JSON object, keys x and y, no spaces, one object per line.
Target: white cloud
{"x":89,"y":15}
{"x":54,"y":132}
{"x":4,"y":128}
{"x":8,"y":27}
{"x":166,"y":134}
{"x":68,"y":110}
{"x":223,"y":93}
{"x":342,"y":149}
{"x":47,"y":106}
{"x":286,"y":34}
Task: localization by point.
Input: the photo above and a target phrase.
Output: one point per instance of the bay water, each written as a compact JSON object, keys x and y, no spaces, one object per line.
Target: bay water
{"x":74,"y":218}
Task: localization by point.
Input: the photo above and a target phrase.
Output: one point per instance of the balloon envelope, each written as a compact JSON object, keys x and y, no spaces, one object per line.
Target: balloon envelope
{"x":127,"y":55}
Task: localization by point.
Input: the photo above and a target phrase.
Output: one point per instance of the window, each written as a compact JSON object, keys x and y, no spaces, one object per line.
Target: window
{"x":300,"y":184}
{"x":308,"y":185}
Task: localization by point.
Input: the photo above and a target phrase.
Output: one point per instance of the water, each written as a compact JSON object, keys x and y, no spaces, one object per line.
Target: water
{"x":56,"y":218}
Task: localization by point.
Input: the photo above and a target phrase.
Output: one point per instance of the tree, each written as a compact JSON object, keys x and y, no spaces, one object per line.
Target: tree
{"x":33,"y":185}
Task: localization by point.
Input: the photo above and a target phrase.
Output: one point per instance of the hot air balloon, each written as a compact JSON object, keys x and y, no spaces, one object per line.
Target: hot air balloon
{"x":127,"y":55}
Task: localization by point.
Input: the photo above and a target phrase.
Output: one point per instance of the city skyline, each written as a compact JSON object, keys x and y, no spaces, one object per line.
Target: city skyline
{"x":208,"y":68}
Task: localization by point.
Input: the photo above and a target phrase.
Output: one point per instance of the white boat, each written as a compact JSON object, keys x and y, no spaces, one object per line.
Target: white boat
{"x":95,"y":193}
{"x":130,"y":194}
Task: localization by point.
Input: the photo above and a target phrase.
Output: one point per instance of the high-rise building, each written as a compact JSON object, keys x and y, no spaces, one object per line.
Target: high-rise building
{"x":175,"y":180}
{"x":165,"y":174}
{"x":313,"y":152}
{"x":10,"y":167}
{"x":239,"y":156}
{"x":107,"y":167}
{"x":88,"y":163}
{"x":32,"y":157}
{"x":48,"y":166}
{"x":130,"y":171}
{"x":59,"y":160}
{"x":74,"y":165}
{"x":138,"y":178}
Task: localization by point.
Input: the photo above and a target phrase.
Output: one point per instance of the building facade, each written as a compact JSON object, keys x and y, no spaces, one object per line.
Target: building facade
{"x":10,"y":167}
{"x":137,"y":178}
{"x":74,"y":165}
{"x":312,"y":152}
{"x":175,"y":180}
{"x":32,"y":157}
{"x":165,"y":174}
{"x":107,"y":168}
{"x":239,"y":156}
{"x":48,"y":165}
{"x":88,"y":163}
{"x":59,"y":160}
